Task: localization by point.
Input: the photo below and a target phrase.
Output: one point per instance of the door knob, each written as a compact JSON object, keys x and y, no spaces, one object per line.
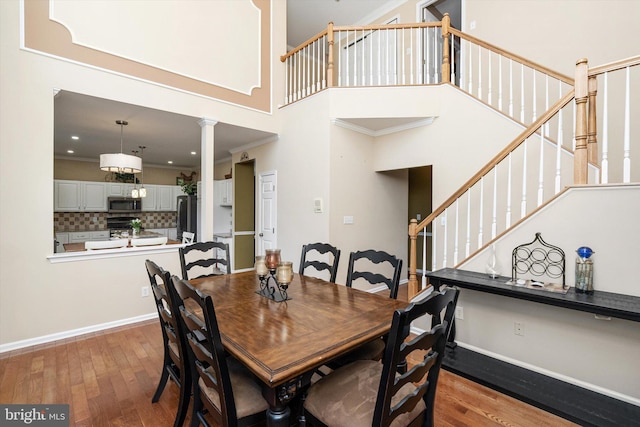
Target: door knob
{"x":261,"y":235}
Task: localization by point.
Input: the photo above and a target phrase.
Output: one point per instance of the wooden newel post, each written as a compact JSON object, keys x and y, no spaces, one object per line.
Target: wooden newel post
{"x":580,"y":160}
{"x":413,"y":280}
{"x":446,"y":64}
{"x":592,"y":127}
{"x":330,"y":59}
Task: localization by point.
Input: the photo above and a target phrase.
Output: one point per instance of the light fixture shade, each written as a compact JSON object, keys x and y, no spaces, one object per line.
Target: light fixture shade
{"x":121,"y":163}
{"x":135,"y":193}
{"x":142,"y":192}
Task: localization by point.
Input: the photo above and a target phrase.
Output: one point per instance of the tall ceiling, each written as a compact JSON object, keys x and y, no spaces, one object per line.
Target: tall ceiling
{"x":173,"y":137}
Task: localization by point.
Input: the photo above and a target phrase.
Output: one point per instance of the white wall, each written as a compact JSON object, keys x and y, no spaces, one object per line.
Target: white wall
{"x":38,"y":298}
{"x":557,"y":34}
{"x":456,"y":152}
{"x":377,"y":201}
{"x":558,"y":341}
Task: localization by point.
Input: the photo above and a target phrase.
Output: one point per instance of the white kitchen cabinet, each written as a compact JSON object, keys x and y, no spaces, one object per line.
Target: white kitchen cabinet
{"x":177,"y":191}
{"x":172,"y":233}
{"x":119,"y":189}
{"x":80,"y":196}
{"x":84,"y":236}
{"x":161,"y":231}
{"x":223,"y":192}
{"x":159,"y":198}
{"x":61,"y":238}
{"x":229,"y":241}
{"x":227,"y":193}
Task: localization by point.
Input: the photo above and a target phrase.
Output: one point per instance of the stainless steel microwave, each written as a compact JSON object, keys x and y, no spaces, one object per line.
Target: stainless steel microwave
{"x":124,"y":204}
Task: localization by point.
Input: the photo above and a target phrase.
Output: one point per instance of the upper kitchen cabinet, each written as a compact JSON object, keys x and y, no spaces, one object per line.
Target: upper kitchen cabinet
{"x":224,"y":190}
{"x":119,"y":189}
{"x":159,"y":198}
{"x":80,"y":196}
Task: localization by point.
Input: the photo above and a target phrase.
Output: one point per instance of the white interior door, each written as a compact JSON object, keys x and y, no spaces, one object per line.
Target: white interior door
{"x":267,"y":212}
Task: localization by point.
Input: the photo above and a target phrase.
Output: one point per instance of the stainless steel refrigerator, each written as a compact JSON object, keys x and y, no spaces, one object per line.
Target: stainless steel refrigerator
{"x":187,"y":209}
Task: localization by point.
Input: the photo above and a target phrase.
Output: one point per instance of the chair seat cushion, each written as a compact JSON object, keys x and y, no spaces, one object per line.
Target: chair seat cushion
{"x":347,"y":396}
{"x":373,"y":350}
{"x":246,"y":392}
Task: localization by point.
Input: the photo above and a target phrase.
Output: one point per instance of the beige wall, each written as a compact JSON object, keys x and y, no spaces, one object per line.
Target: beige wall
{"x":377,"y":201}
{"x":90,"y":171}
{"x":562,"y":341}
{"x":87,"y":293}
{"x":92,"y":292}
{"x":556,"y":34}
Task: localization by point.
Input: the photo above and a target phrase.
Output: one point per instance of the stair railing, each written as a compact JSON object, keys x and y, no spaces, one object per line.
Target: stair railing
{"x":422,"y":54}
{"x":526,"y":174}
{"x":511,"y":84}
{"x":616,"y":101}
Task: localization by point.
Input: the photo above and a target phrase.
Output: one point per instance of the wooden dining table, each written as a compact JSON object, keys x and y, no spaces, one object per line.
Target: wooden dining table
{"x":283,"y":343}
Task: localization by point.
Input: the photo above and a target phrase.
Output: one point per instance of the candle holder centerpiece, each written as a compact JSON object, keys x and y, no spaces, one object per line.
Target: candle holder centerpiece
{"x":274,"y":275}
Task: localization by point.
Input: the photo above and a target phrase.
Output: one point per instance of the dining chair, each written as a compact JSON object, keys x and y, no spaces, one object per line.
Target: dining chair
{"x":149,"y":241}
{"x":318,"y":250}
{"x":204,"y":259}
{"x":361,"y":264}
{"x":222,"y":387}
{"x":105,"y":244}
{"x":368,"y":265}
{"x":175,"y":363}
{"x":187,"y":237}
{"x":371,"y":393}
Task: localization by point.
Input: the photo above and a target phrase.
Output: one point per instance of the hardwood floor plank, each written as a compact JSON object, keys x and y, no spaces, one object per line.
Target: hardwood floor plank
{"x":79,"y":405}
{"x":108,"y":379}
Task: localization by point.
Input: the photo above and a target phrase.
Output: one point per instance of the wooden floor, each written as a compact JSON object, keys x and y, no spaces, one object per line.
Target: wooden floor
{"x":108,"y":379}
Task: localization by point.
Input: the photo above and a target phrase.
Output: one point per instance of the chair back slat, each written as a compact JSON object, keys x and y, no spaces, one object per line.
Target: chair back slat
{"x":323,"y":249}
{"x":428,"y":347}
{"x":360,"y":266}
{"x":204,"y":255}
{"x":176,"y":353}
{"x":209,"y":362}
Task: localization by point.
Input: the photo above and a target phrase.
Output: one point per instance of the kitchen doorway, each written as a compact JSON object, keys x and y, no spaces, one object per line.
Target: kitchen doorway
{"x":244,"y":215}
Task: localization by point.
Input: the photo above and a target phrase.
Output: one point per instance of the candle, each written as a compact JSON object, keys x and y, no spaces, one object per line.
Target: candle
{"x":272,"y":258}
{"x":284,"y":273}
{"x":261,"y":267}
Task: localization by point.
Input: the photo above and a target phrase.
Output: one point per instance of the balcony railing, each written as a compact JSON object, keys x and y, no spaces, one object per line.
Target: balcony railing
{"x":557,"y":148}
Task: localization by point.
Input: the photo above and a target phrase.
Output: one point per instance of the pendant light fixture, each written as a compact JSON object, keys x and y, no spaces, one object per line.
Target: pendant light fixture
{"x":120,"y":162}
{"x":140,"y":192}
{"x":134,"y":191}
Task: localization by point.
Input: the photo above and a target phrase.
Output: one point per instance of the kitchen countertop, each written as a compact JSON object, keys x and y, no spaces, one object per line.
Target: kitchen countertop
{"x":79,"y":247}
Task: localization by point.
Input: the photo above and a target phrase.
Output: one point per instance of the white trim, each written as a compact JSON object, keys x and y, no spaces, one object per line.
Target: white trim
{"x":393,"y":129}
{"x":543,"y":371}
{"x":111,"y":253}
{"x":74,"y":332}
{"x":254,"y":144}
{"x":75,"y":40}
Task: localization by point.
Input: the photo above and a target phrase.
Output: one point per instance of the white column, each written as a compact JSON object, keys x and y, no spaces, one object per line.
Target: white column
{"x":205,"y":196}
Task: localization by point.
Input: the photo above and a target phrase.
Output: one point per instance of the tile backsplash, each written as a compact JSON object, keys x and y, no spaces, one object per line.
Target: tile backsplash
{"x":94,"y":221}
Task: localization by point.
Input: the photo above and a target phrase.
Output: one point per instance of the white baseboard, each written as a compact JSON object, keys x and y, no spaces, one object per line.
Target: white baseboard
{"x":543,"y":371}
{"x":74,"y":332}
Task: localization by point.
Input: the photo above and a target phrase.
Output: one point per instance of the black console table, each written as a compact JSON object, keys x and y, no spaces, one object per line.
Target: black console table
{"x":601,"y":303}
{"x":571,"y":402}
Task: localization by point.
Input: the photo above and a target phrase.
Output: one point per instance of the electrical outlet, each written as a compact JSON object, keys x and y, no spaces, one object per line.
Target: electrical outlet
{"x":145,"y":291}
{"x":518,"y":328}
{"x":459,"y":313}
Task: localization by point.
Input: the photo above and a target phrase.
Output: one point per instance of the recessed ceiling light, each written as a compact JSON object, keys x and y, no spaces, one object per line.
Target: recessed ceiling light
{"x":75,"y":137}
{"x":193,"y":153}
{"x":170,"y":162}
{"x":70,"y":151}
